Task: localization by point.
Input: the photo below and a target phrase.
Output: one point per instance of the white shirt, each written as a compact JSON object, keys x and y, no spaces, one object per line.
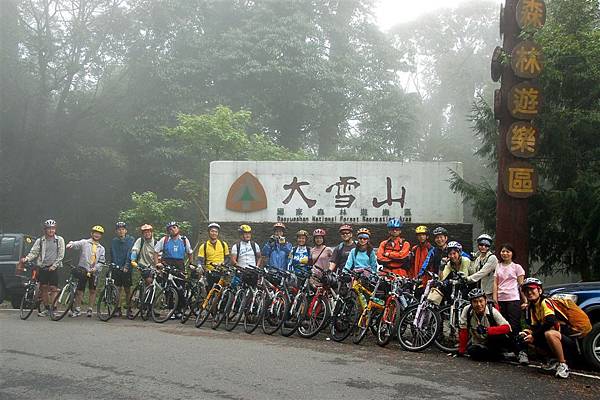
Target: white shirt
{"x":245,"y":255}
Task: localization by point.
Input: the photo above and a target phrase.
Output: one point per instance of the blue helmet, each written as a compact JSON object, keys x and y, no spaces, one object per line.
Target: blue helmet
{"x":394,"y":223}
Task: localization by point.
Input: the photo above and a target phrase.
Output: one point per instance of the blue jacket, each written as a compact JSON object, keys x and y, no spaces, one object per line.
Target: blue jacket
{"x":277,"y":254}
{"x":360,"y":259}
{"x":120,"y":249}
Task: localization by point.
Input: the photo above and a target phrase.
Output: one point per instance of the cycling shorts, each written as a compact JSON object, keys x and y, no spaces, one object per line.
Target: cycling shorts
{"x":84,"y":279}
{"x":47,"y":277}
{"x":122,"y":279}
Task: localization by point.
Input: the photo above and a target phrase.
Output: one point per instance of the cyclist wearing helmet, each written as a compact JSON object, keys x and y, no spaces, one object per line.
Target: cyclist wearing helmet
{"x":483,"y":267}
{"x":420,"y":250}
{"x":363,"y":255}
{"x":276,"y":251}
{"x":142,"y":252}
{"x":438,"y":255}
{"x":548,"y":330}
{"x":300,"y":254}
{"x":394,"y":253}
{"x":214,"y":251}
{"x":245,"y":253}
{"x":320,"y":254}
{"x":91,"y":258}
{"x":457,"y":264}
{"x":173,"y":248}
{"x":486,"y":328}
{"x":342,"y":250}
{"x":120,"y":250}
{"x":48,"y":251}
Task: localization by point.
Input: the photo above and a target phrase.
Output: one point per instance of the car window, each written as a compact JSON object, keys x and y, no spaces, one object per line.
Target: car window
{"x":7,"y":246}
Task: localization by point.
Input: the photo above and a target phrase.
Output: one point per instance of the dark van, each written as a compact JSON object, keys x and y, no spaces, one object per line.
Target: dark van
{"x":13,"y":246}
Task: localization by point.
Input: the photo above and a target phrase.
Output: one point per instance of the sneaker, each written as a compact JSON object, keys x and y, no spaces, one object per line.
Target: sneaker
{"x":562,"y":371}
{"x":550,"y":366}
{"x":75,"y":312}
{"x":509,"y":355}
{"x":523,"y":358}
{"x":43,"y":313}
{"x":118,"y":313}
{"x":89,"y":312}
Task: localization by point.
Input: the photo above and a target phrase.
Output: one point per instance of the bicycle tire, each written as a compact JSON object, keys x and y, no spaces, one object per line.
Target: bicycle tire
{"x":388,"y":323}
{"x":294,"y":316}
{"x":135,"y":302}
{"x":254,"y":312}
{"x":107,"y":303}
{"x":160,"y":310}
{"x":418,"y":339}
{"x":317,"y":315}
{"x":221,"y":308}
{"x":192,"y":305}
{"x":63,"y":302}
{"x":236,"y":310}
{"x":343,"y":319}
{"x":447,"y":338}
{"x":205,"y":311}
{"x":363,"y":324}
{"x":275,"y":314}
{"x":28,"y":304}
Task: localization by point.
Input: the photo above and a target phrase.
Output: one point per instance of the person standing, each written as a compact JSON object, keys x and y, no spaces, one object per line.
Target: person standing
{"x":143,"y":253}
{"x":214,"y":251}
{"x":299,"y":255}
{"x":48,"y":251}
{"x":420,"y":250}
{"x":246,"y":252}
{"x":340,"y":253}
{"x":363,"y":255}
{"x":120,"y":249}
{"x":319,"y":254}
{"x":438,"y":255}
{"x":276,"y":251}
{"x":508,"y":278}
{"x":482,"y":269}
{"x":91,"y":259}
{"x":394,"y":252}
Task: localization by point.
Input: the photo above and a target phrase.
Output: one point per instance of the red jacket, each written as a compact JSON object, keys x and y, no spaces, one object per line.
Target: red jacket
{"x":419,"y":255}
{"x":394,"y":254}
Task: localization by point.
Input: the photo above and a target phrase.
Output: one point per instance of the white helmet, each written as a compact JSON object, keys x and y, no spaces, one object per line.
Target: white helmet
{"x":50,"y":223}
{"x":484,"y":238}
{"x":214,"y":225}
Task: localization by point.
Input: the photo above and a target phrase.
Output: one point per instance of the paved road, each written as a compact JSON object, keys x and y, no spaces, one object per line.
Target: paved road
{"x":83,"y":358}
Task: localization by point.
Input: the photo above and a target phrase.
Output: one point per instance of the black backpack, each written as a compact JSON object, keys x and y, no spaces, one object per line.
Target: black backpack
{"x":252,"y":245}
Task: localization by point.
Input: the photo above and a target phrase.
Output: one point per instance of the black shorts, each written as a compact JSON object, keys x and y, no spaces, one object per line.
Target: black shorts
{"x":122,"y":279}
{"x":47,"y":277}
{"x":568,"y":344}
{"x":84,"y":279}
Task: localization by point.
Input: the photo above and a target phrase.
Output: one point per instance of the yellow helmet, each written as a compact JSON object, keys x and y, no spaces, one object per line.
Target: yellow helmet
{"x":97,"y":228}
{"x":421,"y":229}
{"x":244,"y":228}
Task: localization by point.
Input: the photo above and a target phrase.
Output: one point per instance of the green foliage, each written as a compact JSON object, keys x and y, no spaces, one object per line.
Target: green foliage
{"x":148,"y":209}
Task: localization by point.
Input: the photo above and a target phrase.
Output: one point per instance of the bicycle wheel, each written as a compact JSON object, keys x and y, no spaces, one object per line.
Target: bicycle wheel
{"x":63,"y":302}
{"x":206,"y":309}
{"x":146,"y":303}
{"x":317,"y":315}
{"x":191,"y":308}
{"x":254,"y":312}
{"x":294,"y":316}
{"x":344,"y":318}
{"x":388,"y":323}
{"x":135,"y":302}
{"x":447,"y":338}
{"x":236,"y":310}
{"x":107,"y":303}
{"x":275,"y":313}
{"x":221,"y":309}
{"x":363,"y":324}
{"x":28,"y":303}
{"x":420,"y":334}
{"x":164,"y":304}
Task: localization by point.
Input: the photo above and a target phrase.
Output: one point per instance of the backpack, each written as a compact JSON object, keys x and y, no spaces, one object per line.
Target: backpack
{"x":252,"y":245}
{"x":575,"y":316}
{"x":218,"y":240}
{"x":490,"y":316}
{"x":353,"y":255}
{"x":183,"y":238}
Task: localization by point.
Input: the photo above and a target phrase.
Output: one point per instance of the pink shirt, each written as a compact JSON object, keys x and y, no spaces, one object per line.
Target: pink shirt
{"x":508,"y":286}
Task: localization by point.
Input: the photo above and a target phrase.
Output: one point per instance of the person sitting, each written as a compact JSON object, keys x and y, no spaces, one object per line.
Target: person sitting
{"x":486,"y":328}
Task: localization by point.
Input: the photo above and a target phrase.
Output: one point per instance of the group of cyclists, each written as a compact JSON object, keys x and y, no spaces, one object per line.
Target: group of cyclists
{"x":492,"y":326}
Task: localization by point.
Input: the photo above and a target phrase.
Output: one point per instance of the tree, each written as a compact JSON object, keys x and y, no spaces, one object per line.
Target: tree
{"x":564,"y":214}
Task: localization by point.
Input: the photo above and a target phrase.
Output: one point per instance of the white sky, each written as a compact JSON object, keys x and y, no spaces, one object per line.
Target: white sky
{"x":392,"y":12}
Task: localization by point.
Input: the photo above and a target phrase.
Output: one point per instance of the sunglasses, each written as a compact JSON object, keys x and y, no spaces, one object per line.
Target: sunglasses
{"x":483,"y":244}
{"x":345,"y":233}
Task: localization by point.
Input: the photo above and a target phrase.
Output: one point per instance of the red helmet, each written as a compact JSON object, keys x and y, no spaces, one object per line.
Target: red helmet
{"x":319,"y":232}
{"x":345,"y":227}
{"x":279,"y":225}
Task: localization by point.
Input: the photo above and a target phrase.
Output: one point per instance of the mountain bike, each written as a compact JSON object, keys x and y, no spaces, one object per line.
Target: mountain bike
{"x":63,"y":302}
{"x":346,"y":309}
{"x":255,"y":304}
{"x":277,"y":300}
{"x":248,"y":279}
{"x":421,"y":322}
{"x":226,"y":298}
{"x":209,"y":306}
{"x":300,"y":289}
{"x":193,"y":294}
{"x":447,"y":338}
{"x":371,"y":303}
{"x":399,"y":298}
{"x":108,"y":300}
{"x":164,"y":296}
{"x":31,"y":298}
{"x":318,"y":309}
{"x":137,"y":305}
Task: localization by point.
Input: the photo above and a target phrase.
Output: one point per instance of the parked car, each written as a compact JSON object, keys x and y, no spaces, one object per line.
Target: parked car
{"x":587,"y":296}
{"x":13,"y":246}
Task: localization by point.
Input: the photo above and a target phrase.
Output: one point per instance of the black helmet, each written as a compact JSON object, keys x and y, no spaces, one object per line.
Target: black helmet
{"x":120,"y":224}
{"x":476,"y":293}
{"x":440,"y":231}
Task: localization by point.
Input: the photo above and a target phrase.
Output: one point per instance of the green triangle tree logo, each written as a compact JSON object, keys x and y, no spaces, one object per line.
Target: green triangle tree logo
{"x":246,"y":194}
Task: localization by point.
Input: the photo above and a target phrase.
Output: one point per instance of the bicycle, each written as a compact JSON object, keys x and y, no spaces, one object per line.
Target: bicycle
{"x":248,"y":279}
{"x":277,"y":302}
{"x":318,"y":311}
{"x":255,"y":304}
{"x":63,"y":302}
{"x":209,"y":305}
{"x":31,"y":298}
{"x":140,"y":301}
{"x":193,"y":294}
{"x":447,"y":338}
{"x":297,"y":309}
{"x":399,"y":298}
{"x":421,"y":322}
{"x":108,"y":301}
{"x":164,"y":297}
{"x":345,"y":309}
{"x":371,"y":305}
